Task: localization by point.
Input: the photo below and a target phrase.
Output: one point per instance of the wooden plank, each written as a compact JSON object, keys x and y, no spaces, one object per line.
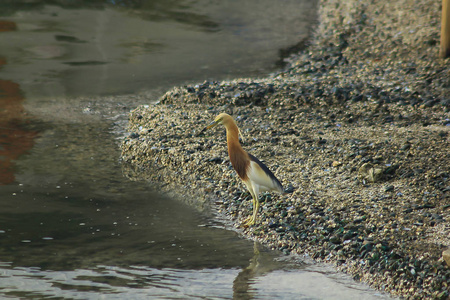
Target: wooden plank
{"x":445,"y":29}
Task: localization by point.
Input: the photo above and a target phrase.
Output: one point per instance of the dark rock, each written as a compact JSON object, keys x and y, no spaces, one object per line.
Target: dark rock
{"x":273,"y":224}
{"x":405,"y":146}
{"x":289,"y":189}
{"x":216,"y":160}
{"x":389,"y":188}
{"x":430,"y":103}
{"x":395,"y":255}
{"x":321,"y":141}
{"x":391,"y":170}
{"x":335,"y":240}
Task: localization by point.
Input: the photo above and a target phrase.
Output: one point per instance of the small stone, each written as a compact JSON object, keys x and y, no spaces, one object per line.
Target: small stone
{"x":429,"y":103}
{"x":446,"y":256}
{"x":390,"y":170}
{"x":336,"y":163}
{"x":216,"y":160}
{"x":290,"y":189}
{"x":405,"y":147}
{"x":370,"y":173}
{"x":321,"y":141}
{"x":335,"y":240}
{"x":389,"y":188}
{"x":273,"y":224}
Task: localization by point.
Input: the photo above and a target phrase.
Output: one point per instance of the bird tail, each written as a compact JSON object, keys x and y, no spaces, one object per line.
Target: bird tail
{"x":279,"y":186}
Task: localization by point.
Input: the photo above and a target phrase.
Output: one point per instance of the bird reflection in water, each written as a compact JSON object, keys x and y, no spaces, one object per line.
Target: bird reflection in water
{"x":260,"y":265}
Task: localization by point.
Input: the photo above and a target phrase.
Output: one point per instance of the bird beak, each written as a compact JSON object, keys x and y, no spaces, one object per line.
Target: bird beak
{"x":213,"y":123}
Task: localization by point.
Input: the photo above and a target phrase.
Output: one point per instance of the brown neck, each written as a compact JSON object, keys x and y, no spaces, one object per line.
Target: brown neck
{"x":233,"y":137}
{"x":238,"y":157}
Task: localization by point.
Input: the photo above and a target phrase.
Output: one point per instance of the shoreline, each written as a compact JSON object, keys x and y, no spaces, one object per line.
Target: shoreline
{"x":369,"y":95}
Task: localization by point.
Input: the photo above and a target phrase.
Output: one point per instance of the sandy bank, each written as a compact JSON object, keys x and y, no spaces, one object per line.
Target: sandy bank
{"x":369,"y":95}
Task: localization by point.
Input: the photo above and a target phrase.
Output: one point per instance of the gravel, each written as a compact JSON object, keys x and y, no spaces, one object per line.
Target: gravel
{"x":357,"y":129}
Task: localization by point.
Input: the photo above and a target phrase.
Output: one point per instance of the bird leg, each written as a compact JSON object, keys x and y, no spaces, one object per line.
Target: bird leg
{"x":252,"y":220}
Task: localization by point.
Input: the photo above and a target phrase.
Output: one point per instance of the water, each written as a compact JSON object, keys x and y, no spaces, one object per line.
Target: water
{"x":71,"y":225}
{"x":92,"y":48}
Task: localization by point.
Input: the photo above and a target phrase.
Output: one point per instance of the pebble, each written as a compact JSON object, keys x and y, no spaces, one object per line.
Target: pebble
{"x":388,"y":188}
{"x":446,"y":256}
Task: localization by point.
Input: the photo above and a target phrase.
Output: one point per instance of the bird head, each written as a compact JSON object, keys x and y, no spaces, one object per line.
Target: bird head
{"x":224,"y":119}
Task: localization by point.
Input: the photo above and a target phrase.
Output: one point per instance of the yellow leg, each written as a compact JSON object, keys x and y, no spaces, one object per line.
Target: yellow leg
{"x":254,"y":191}
{"x":252,"y":220}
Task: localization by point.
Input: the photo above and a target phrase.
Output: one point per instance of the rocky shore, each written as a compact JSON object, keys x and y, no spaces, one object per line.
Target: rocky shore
{"x":357,"y":130}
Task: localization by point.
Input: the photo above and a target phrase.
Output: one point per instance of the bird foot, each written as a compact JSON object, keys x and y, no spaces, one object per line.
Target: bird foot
{"x":249,"y":222}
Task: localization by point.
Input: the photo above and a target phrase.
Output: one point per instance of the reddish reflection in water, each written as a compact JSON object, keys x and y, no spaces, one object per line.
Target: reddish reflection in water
{"x":14,"y":138}
{"x":7,"y":26}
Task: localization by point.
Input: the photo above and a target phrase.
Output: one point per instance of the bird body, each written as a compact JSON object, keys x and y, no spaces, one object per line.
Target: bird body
{"x":256,"y":176}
